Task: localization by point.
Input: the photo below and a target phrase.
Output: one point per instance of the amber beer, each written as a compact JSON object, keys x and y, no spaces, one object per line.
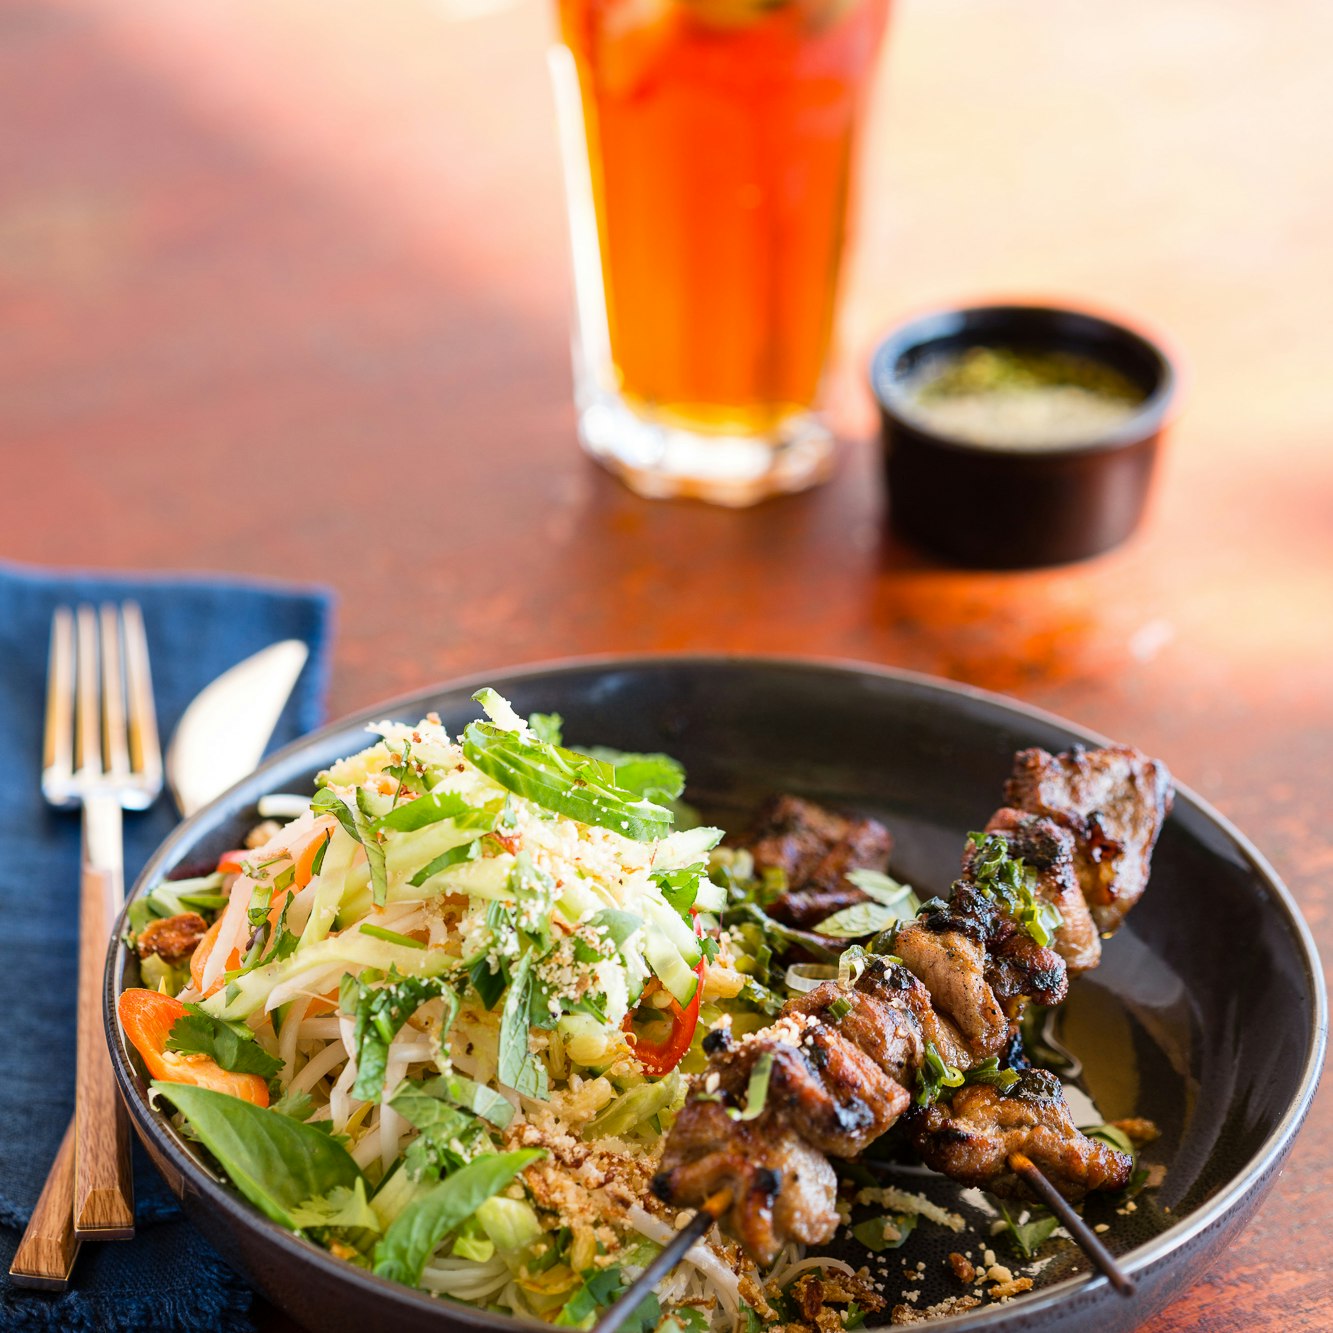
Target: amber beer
{"x":720,"y":137}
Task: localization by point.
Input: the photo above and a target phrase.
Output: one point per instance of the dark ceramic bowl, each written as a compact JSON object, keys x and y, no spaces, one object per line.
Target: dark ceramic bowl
{"x":1207,"y":1013}
{"x":996,"y":507}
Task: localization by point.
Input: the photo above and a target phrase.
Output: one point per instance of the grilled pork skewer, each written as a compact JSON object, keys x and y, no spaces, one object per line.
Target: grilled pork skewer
{"x":841,"y":1064}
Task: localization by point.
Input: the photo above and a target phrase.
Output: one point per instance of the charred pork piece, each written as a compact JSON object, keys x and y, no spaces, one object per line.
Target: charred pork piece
{"x":1114,"y":801}
{"x":888,"y":1014}
{"x":823,"y":1095}
{"x":815,"y":848}
{"x":1047,"y":849}
{"x":980,"y":967}
{"x":781,"y":1188}
{"x":971,"y":1138}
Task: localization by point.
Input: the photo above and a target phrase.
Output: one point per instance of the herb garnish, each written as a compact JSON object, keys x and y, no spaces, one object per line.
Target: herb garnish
{"x":232,"y":1045}
{"x":934,"y":1076}
{"x":999,"y":875}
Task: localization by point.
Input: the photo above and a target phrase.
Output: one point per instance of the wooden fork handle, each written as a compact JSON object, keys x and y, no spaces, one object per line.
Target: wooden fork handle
{"x":103,"y":1184}
{"x":45,"y":1256}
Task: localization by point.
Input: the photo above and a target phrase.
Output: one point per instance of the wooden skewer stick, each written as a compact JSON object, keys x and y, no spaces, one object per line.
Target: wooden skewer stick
{"x":1074,"y":1224}
{"x":672,"y":1253}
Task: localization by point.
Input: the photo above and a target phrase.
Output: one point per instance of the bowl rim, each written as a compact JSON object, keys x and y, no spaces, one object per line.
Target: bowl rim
{"x":946,"y":322}
{"x":1188,"y":806}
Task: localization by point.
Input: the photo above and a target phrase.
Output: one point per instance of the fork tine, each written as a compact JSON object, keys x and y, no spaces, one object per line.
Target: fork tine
{"x":58,"y":740}
{"x":145,"y":749}
{"x":88,"y":733}
{"x":113,"y":695}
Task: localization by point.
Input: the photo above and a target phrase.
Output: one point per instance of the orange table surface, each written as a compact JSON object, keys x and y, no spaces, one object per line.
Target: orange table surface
{"x":284,"y":291}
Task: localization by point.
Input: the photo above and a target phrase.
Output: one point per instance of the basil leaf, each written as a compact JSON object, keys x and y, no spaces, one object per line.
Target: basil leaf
{"x":1029,"y":1236}
{"x":402,"y":1252}
{"x":380,"y":1014}
{"x":518,"y":1067}
{"x":234,"y":1048}
{"x":563,"y":782}
{"x":428,"y":809}
{"x":278,"y":1163}
{"x":889,"y":1232}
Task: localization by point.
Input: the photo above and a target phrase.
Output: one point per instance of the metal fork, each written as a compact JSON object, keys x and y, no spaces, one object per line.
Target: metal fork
{"x":101,"y":753}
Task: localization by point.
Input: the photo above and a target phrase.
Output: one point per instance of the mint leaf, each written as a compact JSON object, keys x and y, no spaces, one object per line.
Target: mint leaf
{"x":380,"y":1012}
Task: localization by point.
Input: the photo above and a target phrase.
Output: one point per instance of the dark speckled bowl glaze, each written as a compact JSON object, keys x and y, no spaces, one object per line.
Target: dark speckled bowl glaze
{"x":1211,"y":995}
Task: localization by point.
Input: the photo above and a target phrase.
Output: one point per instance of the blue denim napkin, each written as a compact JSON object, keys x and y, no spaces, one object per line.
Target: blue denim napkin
{"x":168,"y":1277}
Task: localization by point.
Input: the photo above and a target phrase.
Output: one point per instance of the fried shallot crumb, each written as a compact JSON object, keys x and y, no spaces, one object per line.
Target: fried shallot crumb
{"x":962,"y":1269}
{"x":1137,"y":1130}
{"x":1001,"y":1291}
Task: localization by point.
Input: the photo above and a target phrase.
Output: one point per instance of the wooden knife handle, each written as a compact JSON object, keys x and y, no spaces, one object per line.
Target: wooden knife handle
{"x":103,"y":1184}
{"x":45,"y":1256}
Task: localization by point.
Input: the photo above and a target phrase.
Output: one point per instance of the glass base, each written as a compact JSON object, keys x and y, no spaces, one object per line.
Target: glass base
{"x":663,"y":461}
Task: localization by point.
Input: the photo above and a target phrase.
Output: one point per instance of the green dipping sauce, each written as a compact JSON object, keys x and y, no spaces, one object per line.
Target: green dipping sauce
{"x":1020,"y":398}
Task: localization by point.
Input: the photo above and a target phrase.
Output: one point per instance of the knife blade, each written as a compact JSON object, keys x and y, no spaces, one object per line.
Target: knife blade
{"x":221,"y":736}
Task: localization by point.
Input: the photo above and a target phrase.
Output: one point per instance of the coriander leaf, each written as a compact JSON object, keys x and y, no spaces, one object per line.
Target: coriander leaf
{"x":276,"y":1162}
{"x":655,"y":777}
{"x":340,"y":1207}
{"x":402,"y":1251}
{"x":234,"y":1047}
{"x":680,"y":887}
{"x":546,"y":727}
{"x":380,"y":1013}
{"x":563,"y":782}
{"x":601,"y":1288}
{"x":298,"y":1105}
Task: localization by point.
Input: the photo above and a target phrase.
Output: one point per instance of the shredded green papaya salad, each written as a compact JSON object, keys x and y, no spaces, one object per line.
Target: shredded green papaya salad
{"x":440,"y":1023}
